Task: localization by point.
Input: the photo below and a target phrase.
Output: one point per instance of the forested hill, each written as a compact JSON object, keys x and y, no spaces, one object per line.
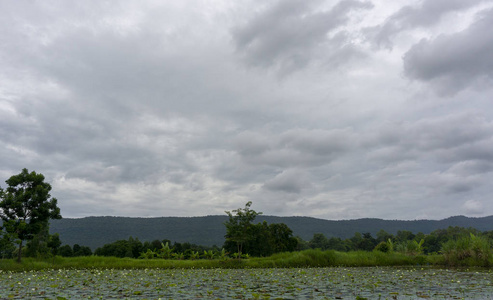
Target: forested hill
{"x":97,"y":231}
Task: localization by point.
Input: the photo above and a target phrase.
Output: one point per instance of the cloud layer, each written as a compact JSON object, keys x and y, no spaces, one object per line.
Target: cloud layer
{"x":331,"y":109}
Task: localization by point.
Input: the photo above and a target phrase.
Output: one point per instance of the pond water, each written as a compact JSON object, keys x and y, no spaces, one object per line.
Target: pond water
{"x":313,"y":283}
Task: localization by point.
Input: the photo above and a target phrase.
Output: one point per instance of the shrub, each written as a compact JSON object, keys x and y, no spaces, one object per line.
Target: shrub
{"x":383,"y":247}
{"x":466,"y":250}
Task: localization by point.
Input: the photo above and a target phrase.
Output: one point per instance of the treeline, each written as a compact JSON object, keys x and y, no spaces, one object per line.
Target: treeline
{"x":41,"y":245}
{"x":134,"y":248}
{"x":26,"y":208}
{"x":209,"y":230}
{"x":262,"y":239}
{"x":456,"y":244}
{"x":429,"y":243}
{"x":245,"y":238}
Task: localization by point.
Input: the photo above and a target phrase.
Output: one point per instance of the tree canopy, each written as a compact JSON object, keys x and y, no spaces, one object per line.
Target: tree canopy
{"x":238,"y":225}
{"x":260,"y":239}
{"x":26,"y":206}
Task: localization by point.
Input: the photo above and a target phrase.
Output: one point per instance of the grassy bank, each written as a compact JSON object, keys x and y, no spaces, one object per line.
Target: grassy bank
{"x":307,"y":258}
{"x":317,"y":258}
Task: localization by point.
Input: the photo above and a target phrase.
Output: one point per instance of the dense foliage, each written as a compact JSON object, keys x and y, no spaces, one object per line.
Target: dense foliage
{"x":25,"y":208}
{"x":457,"y":244}
{"x":262,"y":239}
{"x":210,"y":230}
{"x":239,"y":227}
{"x":244,"y":238}
{"x":134,"y":248}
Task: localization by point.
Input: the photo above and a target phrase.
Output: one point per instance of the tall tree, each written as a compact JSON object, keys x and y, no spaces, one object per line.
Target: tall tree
{"x":26,"y":206}
{"x":238,"y":225}
{"x":282,"y":239}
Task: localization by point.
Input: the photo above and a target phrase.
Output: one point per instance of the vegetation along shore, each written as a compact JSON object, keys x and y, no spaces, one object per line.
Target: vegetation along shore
{"x":256,"y":261}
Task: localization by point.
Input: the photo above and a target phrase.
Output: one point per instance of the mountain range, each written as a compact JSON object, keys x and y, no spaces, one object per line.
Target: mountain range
{"x":94,"y":232}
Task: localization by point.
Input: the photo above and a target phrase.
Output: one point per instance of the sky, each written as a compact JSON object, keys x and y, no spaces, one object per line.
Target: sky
{"x":323,"y":108}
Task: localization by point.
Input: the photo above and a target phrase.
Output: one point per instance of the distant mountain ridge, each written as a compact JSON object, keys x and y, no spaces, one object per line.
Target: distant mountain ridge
{"x":210,"y":230}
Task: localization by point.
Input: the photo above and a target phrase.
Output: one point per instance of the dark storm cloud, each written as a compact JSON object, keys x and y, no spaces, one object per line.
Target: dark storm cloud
{"x":427,"y":13}
{"x":454,"y":62}
{"x":290,"y":34}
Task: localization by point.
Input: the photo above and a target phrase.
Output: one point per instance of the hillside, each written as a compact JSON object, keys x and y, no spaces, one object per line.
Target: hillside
{"x":209,"y":230}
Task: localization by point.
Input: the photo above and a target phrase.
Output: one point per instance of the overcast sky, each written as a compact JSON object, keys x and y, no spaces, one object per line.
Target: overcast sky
{"x":331,"y":109}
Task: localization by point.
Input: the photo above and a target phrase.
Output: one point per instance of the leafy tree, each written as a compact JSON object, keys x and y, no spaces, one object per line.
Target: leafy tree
{"x":26,"y":206}
{"x":368,"y":243}
{"x":431,"y":244}
{"x":54,"y":244}
{"x":404,"y":236}
{"x":38,"y":245}
{"x":335,"y":243}
{"x":135,"y":247}
{"x":383,"y":236}
{"x":302,"y":244}
{"x":66,"y":251}
{"x":79,"y":250}
{"x":76,"y":249}
{"x":258,"y":242}
{"x":319,"y":241}
{"x":355,"y":241}
{"x":7,"y":246}
{"x":156,"y":244}
{"x":238,"y":225}
{"x":121,"y":248}
{"x":264,"y":240}
{"x":281,"y":238}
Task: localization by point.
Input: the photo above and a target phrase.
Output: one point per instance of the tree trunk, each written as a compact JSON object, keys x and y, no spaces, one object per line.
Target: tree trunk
{"x":20,"y":252}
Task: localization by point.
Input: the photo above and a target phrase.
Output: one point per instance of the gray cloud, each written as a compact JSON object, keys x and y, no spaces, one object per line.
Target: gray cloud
{"x":295,"y":147}
{"x":289,"y":181}
{"x":289,"y":34}
{"x":154,"y":109}
{"x":474,"y":207}
{"x":451,"y":139}
{"x":426,"y":14}
{"x":454,"y":62}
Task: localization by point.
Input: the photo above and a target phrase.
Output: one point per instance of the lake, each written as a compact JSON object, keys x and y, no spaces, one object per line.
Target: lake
{"x":296,"y":283}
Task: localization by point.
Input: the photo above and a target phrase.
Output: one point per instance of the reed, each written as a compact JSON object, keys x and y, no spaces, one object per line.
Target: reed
{"x":300,"y":259}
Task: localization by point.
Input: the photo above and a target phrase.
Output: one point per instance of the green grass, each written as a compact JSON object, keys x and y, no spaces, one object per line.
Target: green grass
{"x":306,"y":258}
{"x":86,"y":262}
{"x":317,"y":258}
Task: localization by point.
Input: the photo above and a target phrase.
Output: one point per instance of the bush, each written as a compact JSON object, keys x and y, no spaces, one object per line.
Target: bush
{"x":383,"y":247}
{"x":467,"y":250}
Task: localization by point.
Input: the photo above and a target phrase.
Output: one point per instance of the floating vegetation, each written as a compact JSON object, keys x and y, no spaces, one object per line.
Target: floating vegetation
{"x":295,"y":283}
